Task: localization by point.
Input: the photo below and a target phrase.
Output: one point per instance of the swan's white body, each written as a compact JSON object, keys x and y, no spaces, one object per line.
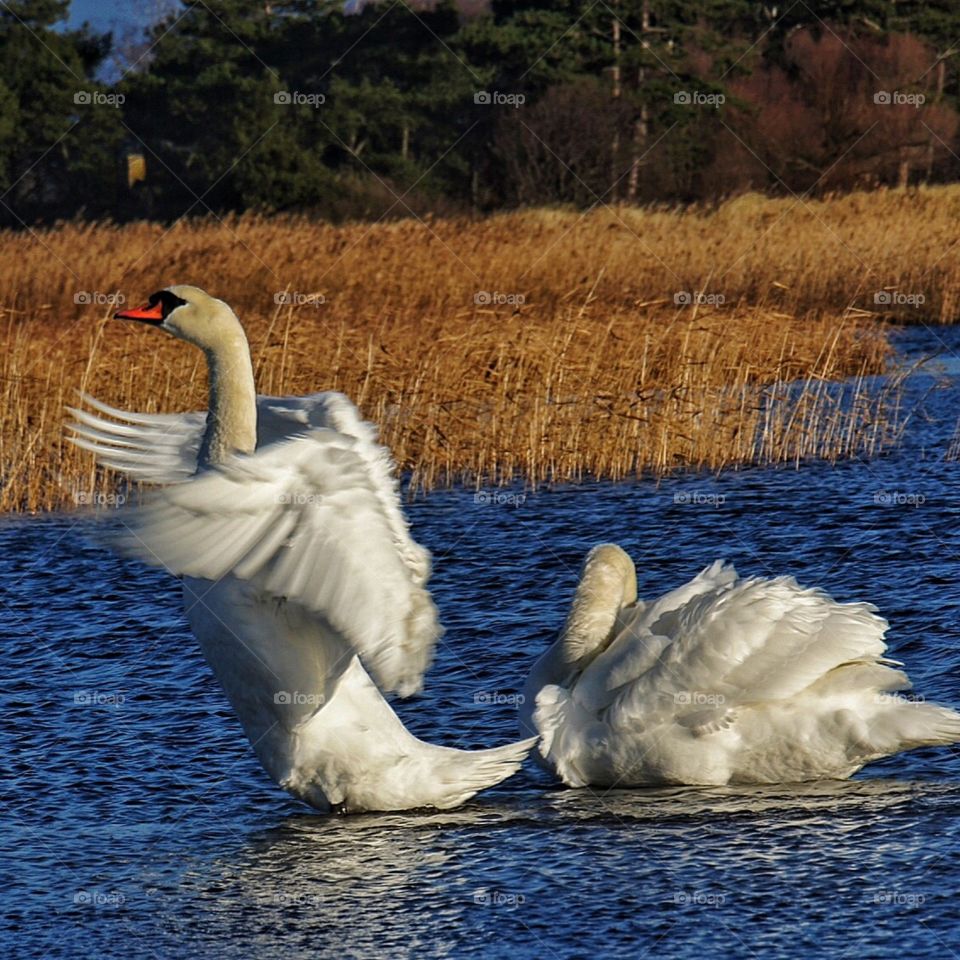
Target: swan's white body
{"x":722,"y":681}
{"x":283,"y":518}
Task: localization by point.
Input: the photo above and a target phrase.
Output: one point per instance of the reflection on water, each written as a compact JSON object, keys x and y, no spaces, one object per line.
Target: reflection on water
{"x":555,"y":859}
{"x":822,"y":799}
{"x":138,"y":823}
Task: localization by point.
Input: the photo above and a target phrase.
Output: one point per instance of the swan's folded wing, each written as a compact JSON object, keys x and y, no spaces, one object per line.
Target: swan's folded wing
{"x":660,"y":616}
{"x":147,"y":447}
{"x":644,"y":631}
{"x":759,"y":640}
{"x":302,"y":518}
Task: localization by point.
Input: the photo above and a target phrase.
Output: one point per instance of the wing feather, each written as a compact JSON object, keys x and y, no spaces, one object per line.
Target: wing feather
{"x":148,"y":447}
{"x":756,"y":640}
{"x":303,"y":519}
{"x":162,"y":448}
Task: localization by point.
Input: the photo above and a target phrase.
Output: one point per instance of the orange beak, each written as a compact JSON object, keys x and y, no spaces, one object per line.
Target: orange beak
{"x":145,"y":314}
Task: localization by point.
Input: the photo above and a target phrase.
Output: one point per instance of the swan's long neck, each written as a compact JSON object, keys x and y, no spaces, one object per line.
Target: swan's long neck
{"x":232,"y":413}
{"x":608,"y":582}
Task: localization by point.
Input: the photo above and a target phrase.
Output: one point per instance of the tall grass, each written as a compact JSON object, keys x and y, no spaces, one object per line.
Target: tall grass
{"x":543,"y":344}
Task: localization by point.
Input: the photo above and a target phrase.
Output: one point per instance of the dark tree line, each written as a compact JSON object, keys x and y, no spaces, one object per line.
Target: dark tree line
{"x":298,"y":105}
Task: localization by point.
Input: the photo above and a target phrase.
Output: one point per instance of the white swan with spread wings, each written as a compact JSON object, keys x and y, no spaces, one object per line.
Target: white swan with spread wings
{"x":283,"y":518}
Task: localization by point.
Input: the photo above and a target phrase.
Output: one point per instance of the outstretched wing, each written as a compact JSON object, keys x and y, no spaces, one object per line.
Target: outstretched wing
{"x":313,"y":517}
{"x":162,"y":448}
{"x":303,"y":519}
{"x":147,"y":447}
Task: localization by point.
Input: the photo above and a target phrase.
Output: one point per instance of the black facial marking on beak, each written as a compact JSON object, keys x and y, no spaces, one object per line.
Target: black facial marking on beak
{"x":160,"y":305}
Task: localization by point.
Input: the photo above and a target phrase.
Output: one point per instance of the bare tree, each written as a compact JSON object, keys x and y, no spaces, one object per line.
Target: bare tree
{"x":846,"y":112}
{"x":558,"y":149}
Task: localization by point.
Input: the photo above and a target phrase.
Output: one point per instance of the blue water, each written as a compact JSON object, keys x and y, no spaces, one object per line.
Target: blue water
{"x":137,"y":822}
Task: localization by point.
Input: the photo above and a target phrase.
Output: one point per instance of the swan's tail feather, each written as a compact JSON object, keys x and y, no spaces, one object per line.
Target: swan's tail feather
{"x":907,"y":724}
{"x":888,"y":722}
{"x":469,"y":771}
{"x":901,"y":724}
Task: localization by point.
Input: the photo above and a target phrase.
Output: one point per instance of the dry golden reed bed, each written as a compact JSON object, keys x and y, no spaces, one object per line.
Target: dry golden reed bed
{"x":542,"y":344}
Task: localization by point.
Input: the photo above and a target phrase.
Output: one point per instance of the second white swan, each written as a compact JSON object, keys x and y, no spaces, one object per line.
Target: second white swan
{"x":723,"y":680}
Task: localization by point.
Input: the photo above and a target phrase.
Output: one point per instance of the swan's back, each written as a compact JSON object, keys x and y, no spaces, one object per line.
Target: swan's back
{"x":748,"y":641}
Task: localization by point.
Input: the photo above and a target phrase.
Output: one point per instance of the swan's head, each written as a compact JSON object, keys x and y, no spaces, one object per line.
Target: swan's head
{"x":190,"y":314}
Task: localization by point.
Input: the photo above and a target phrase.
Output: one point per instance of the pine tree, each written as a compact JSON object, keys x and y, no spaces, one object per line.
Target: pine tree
{"x":60,"y":129}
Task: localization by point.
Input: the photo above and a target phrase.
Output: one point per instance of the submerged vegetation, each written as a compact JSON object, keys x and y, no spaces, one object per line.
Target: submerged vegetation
{"x":542,"y":345}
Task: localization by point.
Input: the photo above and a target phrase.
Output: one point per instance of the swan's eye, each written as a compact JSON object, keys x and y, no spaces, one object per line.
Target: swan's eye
{"x":168,"y":302}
